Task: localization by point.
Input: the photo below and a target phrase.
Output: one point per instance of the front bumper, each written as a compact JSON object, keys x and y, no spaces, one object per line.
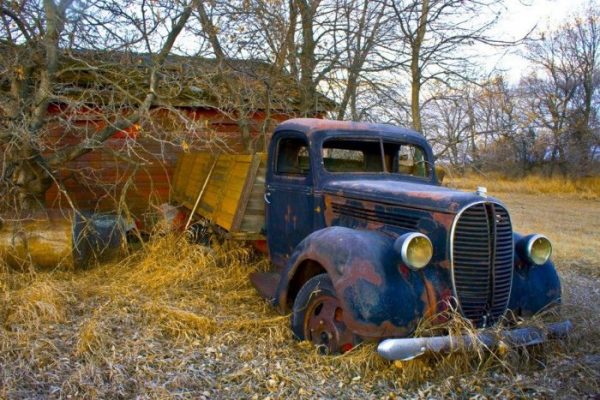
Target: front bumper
{"x":409,"y":348}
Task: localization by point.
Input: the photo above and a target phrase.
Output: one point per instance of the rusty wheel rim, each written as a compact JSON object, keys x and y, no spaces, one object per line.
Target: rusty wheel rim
{"x":324,"y":325}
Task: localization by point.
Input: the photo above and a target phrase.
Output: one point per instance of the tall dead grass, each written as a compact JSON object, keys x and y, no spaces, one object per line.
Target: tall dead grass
{"x":583,"y":188}
{"x":179,"y":320}
{"x":32,"y":302}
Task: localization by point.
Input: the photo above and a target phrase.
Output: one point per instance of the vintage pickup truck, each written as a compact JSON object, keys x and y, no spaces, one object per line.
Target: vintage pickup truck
{"x":365,"y":242}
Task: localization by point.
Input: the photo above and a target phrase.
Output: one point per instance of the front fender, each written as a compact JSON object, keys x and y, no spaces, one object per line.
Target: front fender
{"x":380,"y":296}
{"x":534,"y":288}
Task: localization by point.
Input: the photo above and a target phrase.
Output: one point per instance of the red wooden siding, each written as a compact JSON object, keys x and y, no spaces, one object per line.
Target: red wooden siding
{"x":103,"y":180}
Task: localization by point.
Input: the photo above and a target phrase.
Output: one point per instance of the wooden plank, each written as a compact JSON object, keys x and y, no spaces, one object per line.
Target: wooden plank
{"x":256,"y":211}
{"x":240,"y":175}
{"x":191,"y":176}
{"x":245,"y":236}
{"x":198,"y":171}
{"x":227,"y":210}
{"x":254,"y":216}
{"x":246,"y":192}
{"x":229,"y":205}
{"x":177,"y":174}
{"x":181,"y":165}
{"x":256,"y":204}
{"x":224,"y":219}
{"x":252,"y":223}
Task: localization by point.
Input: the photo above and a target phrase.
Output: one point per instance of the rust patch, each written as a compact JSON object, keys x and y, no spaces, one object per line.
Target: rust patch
{"x":430,"y":299}
{"x":360,"y":269}
{"x":444,"y":219}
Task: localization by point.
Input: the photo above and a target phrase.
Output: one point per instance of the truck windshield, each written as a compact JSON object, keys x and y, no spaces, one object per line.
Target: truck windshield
{"x":352,"y":155}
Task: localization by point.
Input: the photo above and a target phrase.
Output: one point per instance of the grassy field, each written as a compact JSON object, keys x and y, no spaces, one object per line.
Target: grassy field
{"x":177,"y":321}
{"x":583,"y":188}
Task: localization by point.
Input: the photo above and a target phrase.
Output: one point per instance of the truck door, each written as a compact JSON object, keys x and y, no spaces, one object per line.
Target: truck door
{"x":289,"y":195}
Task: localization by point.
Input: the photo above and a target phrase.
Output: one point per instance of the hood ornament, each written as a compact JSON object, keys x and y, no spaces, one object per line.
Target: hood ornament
{"x":481,"y":191}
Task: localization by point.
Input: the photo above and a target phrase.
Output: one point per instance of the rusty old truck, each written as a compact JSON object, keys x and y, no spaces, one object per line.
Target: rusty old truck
{"x":365,"y":243}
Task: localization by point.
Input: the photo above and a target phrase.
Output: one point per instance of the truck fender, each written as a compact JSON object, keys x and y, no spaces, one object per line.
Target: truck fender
{"x":380,"y":296}
{"x":534,"y":288}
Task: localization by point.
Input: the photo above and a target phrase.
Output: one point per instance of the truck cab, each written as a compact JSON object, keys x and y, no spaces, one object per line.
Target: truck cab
{"x":307,"y":164}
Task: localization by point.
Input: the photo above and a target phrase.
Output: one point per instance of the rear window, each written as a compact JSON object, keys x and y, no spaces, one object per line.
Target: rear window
{"x":352,"y":156}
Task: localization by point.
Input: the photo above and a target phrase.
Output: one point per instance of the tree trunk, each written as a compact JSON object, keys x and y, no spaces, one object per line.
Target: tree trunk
{"x":29,"y":178}
{"x":307,"y":58}
{"x":415,"y":68}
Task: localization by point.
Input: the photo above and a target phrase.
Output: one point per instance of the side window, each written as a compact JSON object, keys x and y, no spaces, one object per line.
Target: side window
{"x":413,"y":161}
{"x":292,"y":157}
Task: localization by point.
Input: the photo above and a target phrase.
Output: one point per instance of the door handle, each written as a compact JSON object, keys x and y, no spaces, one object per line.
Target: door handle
{"x":266,"y":197}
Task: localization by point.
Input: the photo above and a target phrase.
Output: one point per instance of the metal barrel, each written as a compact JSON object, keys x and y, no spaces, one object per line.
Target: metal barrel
{"x":97,"y":238}
{"x":53,"y":238}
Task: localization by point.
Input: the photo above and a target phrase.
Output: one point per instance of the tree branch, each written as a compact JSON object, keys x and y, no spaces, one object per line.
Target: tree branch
{"x":76,"y":151}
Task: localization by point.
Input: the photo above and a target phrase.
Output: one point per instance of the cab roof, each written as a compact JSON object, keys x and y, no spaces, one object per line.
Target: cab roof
{"x":310,"y":126}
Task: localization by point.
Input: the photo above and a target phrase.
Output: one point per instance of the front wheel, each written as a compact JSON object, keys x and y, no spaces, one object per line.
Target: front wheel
{"x":317,"y":316}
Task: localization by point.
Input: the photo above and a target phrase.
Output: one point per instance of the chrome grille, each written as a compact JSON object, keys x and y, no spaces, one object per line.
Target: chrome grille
{"x":482,"y":262}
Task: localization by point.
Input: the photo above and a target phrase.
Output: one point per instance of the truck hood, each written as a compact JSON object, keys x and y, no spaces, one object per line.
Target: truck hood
{"x":408,"y":194}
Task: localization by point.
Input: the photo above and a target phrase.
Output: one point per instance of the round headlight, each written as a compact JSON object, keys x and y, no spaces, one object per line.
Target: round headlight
{"x":415,"y":249}
{"x":538,"y":249}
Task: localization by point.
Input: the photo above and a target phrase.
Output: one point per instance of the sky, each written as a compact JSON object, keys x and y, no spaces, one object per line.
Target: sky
{"x":519,"y":18}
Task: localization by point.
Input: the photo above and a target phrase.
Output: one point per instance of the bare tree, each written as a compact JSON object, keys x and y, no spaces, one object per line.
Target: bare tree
{"x":44,"y":43}
{"x":563,"y":87}
{"x":363,"y":32}
{"x":448,"y":127}
{"x":435,"y":35}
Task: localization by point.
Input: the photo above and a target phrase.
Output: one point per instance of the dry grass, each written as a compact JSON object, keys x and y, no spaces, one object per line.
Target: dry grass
{"x":584,"y":188}
{"x":571,"y":224}
{"x":177,"y":320}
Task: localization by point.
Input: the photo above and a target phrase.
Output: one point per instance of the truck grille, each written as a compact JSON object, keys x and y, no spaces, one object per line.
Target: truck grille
{"x":482,"y":262}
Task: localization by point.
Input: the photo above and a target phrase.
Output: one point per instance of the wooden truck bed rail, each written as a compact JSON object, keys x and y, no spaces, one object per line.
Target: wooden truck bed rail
{"x":234,"y":187}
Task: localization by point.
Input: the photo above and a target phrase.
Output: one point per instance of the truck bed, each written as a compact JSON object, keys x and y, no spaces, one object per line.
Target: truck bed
{"x":228,"y":188}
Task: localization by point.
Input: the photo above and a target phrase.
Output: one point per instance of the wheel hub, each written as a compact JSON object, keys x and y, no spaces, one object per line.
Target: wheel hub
{"x":325,"y":327}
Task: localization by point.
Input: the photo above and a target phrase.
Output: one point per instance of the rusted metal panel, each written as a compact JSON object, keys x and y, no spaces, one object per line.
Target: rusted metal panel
{"x":379,"y":298}
{"x":534,"y":288}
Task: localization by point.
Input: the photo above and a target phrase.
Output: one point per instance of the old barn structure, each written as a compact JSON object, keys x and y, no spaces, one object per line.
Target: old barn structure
{"x":229,"y":108}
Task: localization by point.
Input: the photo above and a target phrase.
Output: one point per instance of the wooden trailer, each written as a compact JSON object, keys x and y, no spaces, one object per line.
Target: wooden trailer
{"x":226,"y":189}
